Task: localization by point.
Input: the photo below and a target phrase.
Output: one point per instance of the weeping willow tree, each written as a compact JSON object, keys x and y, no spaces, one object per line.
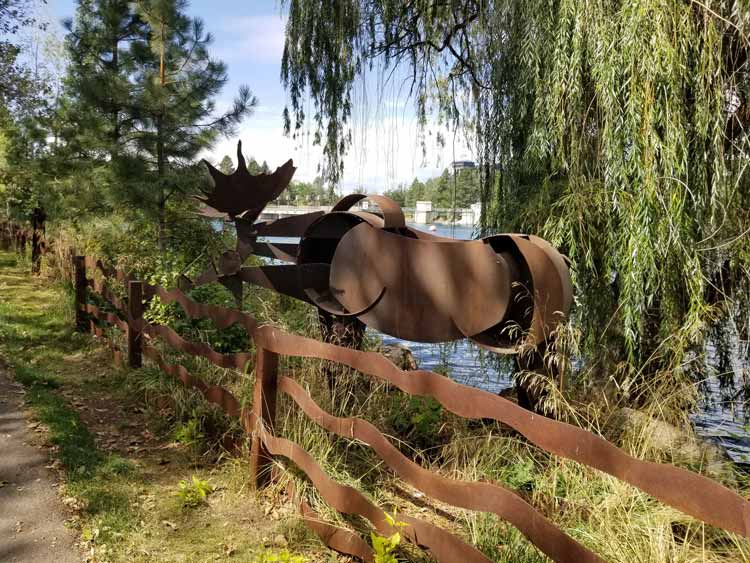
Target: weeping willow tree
{"x":618,"y":130}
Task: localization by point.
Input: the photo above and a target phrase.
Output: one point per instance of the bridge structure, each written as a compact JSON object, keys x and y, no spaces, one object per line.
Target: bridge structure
{"x":422,"y":214}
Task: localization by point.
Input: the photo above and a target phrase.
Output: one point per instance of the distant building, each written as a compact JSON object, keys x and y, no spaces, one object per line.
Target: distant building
{"x":462,"y":164}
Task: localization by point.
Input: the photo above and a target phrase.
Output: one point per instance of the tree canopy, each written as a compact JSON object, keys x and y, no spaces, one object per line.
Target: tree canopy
{"x":616,"y":129}
{"x":449,"y":190}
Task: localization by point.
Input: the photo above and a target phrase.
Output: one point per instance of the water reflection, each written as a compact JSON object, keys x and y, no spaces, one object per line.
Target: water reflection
{"x":724,"y":416}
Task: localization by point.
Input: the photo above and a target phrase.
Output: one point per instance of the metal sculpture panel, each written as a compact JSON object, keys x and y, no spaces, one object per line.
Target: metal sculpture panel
{"x":502,"y":291}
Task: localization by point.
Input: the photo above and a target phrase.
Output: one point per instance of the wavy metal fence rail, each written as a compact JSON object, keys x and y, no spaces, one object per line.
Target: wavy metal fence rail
{"x":689,"y":492}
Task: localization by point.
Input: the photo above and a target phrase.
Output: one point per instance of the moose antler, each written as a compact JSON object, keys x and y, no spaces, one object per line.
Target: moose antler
{"x":244,"y":194}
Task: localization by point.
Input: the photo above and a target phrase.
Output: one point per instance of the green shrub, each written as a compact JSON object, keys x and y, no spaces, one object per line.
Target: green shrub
{"x":385,"y":546}
{"x":279,"y":557}
{"x":417,"y":420}
{"x":193,"y":493}
{"x":189,"y":433}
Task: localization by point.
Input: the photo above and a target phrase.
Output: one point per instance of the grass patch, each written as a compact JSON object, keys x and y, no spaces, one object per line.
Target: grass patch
{"x":30,"y":377}
{"x":76,"y":448}
{"x":8,"y":261}
{"x":124,"y":439}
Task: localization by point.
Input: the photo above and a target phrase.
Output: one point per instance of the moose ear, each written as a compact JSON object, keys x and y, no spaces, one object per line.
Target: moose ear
{"x":241,"y":164}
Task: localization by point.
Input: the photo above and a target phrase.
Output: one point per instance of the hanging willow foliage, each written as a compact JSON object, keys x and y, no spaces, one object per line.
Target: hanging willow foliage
{"x":616,"y":129}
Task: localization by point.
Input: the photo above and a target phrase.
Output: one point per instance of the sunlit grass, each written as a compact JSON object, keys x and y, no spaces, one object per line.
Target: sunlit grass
{"x":125,"y":507}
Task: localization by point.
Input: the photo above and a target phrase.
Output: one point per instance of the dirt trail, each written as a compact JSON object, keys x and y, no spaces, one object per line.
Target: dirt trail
{"x":31,"y":513}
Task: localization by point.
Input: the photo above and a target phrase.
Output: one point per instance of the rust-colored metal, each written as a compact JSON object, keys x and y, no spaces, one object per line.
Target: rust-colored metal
{"x":444,"y":546}
{"x":504,"y":291}
{"x":684,"y":490}
{"x":279,"y":251}
{"x":107,"y":294}
{"x":213,"y":393}
{"x":285,"y":279}
{"x":222,"y":317}
{"x":38,"y":219}
{"x":410,"y":287}
{"x":393,"y":217}
{"x":486,"y":497}
{"x":99,"y":315}
{"x":294,"y":226}
{"x":79,"y":267}
{"x":135,"y":314}
{"x":245,"y":194}
{"x":264,"y":414}
{"x":236,"y":361}
{"x":94,"y":264}
{"x":99,"y":333}
{"x":335,"y":537}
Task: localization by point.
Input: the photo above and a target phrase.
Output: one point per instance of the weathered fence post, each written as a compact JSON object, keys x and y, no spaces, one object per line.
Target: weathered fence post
{"x":79,"y":266}
{"x":5,"y":235}
{"x":264,"y":410}
{"x":135,"y":316}
{"x":38,"y":217}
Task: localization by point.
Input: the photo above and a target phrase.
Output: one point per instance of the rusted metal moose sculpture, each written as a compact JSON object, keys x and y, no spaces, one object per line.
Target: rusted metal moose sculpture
{"x":503,"y":291}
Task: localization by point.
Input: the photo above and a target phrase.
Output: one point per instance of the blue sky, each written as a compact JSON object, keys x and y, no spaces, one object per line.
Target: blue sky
{"x":249,"y":38}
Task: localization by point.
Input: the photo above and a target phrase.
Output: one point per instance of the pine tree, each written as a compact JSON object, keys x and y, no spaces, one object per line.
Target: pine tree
{"x":98,"y":83}
{"x":95,"y":113}
{"x":226,"y":165}
{"x":254,"y":167}
{"x":177,"y":82}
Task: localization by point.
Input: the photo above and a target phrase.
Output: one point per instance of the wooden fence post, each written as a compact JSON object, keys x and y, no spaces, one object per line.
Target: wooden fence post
{"x":79,"y":266}
{"x":264,"y":409}
{"x":38,"y":218}
{"x":135,"y":316}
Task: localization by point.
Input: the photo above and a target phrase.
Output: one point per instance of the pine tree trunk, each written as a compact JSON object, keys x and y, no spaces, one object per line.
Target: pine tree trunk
{"x":115,"y":110}
{"x":161,"y":169}
{"x":160,"y":157}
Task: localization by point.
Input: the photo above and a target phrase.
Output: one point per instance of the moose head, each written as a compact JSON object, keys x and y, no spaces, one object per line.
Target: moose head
{"x":242,"y":194}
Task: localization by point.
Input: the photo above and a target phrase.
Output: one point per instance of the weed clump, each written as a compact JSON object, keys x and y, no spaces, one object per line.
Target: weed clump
{"x":194,"y":492}
{"x":279,"y":557}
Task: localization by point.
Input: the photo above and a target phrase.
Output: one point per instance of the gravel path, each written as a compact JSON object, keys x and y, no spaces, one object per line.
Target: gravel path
{"x":31,"y":513}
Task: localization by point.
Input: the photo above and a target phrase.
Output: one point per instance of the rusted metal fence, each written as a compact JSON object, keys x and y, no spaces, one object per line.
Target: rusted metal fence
{"x":689,"y":492}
